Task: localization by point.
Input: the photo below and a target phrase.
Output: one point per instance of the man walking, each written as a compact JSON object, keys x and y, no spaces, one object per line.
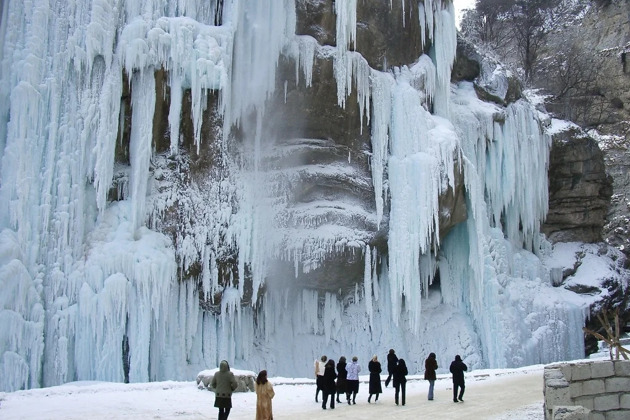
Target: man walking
{"x":458,"y":367}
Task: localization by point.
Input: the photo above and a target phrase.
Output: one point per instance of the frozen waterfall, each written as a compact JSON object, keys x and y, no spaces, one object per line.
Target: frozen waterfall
{"x":96,"y":283}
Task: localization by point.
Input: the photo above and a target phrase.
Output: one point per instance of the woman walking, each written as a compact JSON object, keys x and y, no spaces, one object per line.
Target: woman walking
{"x":400,"y":380}
{"x":264,"y":394}
{"x":430,"y":366}
{"x":342,"y":375}
{"x":223,"y":383}
{"x":375,"y":378}
{"x":352,"y":381}
{"x":329,"y":388}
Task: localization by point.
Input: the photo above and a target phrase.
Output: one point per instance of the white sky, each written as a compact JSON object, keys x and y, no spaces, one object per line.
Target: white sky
{"x":461,"y":5}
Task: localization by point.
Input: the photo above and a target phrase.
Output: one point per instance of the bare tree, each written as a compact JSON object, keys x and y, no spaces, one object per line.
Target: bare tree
{"x":571,"y":75}
{"x":612,"y":338}
{"x":514,"y":29}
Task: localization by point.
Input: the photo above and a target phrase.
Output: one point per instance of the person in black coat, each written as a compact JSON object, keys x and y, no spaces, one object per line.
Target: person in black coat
{"x":375,"y":378}
{"x":342,"y":375}
{"x":458,"y":367}
{"x":328,"y":384}
{"x":430,"y":366}
{"x":400,"y":380}
{"x":392,"y":361}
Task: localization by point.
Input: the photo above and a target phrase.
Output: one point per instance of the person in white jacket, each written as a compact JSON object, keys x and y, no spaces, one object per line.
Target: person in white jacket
{"x":320,"y":366}
{"x":352,"y":381}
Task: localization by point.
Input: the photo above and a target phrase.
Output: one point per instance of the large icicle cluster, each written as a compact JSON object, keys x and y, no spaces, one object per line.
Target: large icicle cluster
{"x":90,"y":289}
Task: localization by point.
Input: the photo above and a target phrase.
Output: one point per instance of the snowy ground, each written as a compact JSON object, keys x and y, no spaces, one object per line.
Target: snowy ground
{"x":490,"y":394}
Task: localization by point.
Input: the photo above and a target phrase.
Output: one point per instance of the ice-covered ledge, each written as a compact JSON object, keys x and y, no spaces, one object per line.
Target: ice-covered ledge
{"x":589,"y":390}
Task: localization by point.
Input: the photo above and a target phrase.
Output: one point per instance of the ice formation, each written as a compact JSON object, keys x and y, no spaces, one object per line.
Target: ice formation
{"x":91,"y":289}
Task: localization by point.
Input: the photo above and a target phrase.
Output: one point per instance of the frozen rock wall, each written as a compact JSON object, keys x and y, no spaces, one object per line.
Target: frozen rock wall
{"x":263,"y":181}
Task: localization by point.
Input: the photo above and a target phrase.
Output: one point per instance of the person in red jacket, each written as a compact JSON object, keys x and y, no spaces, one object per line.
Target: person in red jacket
{"x":430,"y":366}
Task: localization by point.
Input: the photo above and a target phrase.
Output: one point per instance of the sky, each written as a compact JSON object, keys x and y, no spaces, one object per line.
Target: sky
{"x":460,"y":5}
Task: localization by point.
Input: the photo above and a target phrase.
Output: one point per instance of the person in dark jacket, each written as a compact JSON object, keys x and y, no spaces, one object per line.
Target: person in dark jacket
{"x":400,"y":380}
{"x":328,"y":384}
{"x":392,"y":361}
{"x":342,"y":375}
{"x":375,"y":378}
{"x":430,"y":366}
{"x":458,"y":367}
{"x":223,"y":383}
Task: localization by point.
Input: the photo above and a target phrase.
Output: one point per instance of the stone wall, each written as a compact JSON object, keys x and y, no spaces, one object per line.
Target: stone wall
{"x":597,"y":390}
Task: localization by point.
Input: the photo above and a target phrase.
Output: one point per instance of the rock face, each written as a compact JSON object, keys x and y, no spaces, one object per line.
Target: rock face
{"x":320,"y":157}
{"x":490,"y":82}
{"x":604,"y":36}
{"x":579,"y":189}
{"x":386,"y":36}
{"x":605,"y":30}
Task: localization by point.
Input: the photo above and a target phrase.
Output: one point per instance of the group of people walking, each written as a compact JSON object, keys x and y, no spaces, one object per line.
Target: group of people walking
{"x":345,"y":380}
{"x":340,"y":379}
{"x":334,"y":380}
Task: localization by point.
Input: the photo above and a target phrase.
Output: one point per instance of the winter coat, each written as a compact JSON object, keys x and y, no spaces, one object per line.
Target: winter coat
{"x":329,"y":386}
{"x":375,"y":377}
{"x":392,"y":362}
{"x":400,"y":373}
{"x":264,"y":394}
{"x":457,"y":369}
{"x":319,"y":367}
{"x":430,"y":366}
{"x":342,"y":375}
{"x":223,"y":381}
{"x":353,"y":371}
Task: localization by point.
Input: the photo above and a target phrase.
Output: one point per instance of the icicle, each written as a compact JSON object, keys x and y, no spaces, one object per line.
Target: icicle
{"x":367,"y":283}
{"x":261,"y":34}
{"x":346,"y":25}
{"x":143,"y":103}
{"x":381,"y":110}
{"x":444,"y":50}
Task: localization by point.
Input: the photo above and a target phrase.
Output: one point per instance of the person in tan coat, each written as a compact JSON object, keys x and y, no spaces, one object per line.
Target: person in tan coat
{"x":264,"y":394}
